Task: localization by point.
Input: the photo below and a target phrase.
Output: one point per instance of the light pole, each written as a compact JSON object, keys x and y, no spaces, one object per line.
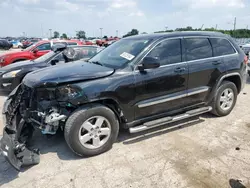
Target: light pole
{"x":42,"y":29}
{"x":50,"y":33}
{"x":234,"y":24}
{"x":116,"y":33}
{"x":101,"y":31}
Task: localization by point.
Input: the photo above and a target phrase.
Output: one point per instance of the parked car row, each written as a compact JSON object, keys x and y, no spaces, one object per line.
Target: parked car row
{"x":29,"y":42}
{"x":12,"y":75}
{"x":137,"y":83}
{"x":32,"y":52}
{"x":5,"y":45}
{"x":246,"y":50}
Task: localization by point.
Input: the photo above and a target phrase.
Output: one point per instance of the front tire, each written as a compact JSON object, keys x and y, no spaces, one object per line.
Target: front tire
{"x":225,"y":99}
{"x":92,"y":130}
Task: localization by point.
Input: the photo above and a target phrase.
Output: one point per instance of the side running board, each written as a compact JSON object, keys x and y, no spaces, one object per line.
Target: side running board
{"x":170,"y":119}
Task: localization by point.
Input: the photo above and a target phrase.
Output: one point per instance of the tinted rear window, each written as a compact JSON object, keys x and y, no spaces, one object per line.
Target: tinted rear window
{"x":221,"y":47}
{"x":198,"y":48}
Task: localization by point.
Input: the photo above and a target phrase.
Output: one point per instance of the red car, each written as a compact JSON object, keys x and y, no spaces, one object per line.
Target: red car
{"x":32,"y":52}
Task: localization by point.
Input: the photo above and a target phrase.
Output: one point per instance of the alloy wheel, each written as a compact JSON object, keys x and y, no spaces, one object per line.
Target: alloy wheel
{"x":95,"y":132}
{"x":226,"y":99}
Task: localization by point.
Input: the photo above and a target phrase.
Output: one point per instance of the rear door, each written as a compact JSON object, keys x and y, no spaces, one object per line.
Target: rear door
{"x":224,"y":49}
{"x":204,"y":67}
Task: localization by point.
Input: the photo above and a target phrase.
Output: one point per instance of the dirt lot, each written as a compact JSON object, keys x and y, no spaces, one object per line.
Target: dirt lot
{"x":204,"y":152}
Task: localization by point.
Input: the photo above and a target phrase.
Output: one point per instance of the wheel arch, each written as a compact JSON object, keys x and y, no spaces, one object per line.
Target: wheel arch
{"x":232,"y":77}
{"x":111,"y":104}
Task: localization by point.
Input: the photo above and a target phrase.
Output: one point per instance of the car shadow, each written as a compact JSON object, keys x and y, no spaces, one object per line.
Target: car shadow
{"x":4,"y":94}
{"x":56,"y":144}
{"x":248,"y":80}
{"x":7,"y":172}
{"x":53,"y":144}
{"x":127,"y":138}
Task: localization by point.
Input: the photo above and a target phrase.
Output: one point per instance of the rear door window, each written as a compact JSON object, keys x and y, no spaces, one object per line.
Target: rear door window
{"x":221,"y":47}
{"x":197,"y":48}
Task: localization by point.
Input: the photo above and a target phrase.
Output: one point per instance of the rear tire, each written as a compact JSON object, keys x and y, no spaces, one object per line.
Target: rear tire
{"x":225,"y":99}
{"x":86,"y":135}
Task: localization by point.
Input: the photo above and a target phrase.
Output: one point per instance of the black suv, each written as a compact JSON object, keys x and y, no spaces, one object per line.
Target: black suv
{"x":137,"y":83}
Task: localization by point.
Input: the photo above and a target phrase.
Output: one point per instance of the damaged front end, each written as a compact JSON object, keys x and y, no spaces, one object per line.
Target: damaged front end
{"x":25,"y":109}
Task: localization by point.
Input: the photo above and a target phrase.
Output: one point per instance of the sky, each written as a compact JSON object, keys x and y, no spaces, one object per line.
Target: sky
{"x":36,"y":17}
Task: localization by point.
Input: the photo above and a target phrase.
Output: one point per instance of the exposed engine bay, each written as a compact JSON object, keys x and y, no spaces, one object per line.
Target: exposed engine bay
{"x":27,"y":109}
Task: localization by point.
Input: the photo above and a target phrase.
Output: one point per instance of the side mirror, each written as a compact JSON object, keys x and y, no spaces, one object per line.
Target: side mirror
{"x":35,"y":51}
{"x":54,"y":61}
{"x":149,"y":63}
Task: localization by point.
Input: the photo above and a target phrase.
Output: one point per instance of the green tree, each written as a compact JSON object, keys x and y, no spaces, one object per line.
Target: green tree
{"x":105,"y":37}
{"x":143,"y":33}
{"x":81,"y":34}
{"x":238,"y":33}
{"x":64,"y":36}
{"x":56,"y":34}
{"x":132,"y":32}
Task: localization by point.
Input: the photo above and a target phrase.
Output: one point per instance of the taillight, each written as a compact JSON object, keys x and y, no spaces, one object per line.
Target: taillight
{"x":245,"y":59}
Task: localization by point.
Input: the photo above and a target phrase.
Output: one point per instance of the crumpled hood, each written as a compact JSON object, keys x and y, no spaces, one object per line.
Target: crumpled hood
{"x":66,"y":73}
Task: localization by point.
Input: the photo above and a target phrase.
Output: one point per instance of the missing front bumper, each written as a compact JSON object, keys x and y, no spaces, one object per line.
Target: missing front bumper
{"x":16,"y":153}
{"x":14,"y":150}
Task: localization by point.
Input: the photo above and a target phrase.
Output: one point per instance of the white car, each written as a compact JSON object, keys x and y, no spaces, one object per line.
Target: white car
{"x":17,"y":44}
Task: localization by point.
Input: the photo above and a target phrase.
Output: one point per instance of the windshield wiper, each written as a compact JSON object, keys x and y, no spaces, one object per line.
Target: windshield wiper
{"x":95,"y":62}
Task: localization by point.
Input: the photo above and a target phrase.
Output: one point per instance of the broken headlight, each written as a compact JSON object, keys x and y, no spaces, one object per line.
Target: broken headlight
{"x":67,"y":93}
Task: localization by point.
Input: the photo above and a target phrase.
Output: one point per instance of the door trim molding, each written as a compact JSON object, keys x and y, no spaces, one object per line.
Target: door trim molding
{"x":171,"y":97}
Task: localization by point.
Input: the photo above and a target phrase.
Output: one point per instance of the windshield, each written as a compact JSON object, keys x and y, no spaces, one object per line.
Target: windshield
{"x":87,"y":52}
{"x":121,"y":52}
{"x":45,"y":57}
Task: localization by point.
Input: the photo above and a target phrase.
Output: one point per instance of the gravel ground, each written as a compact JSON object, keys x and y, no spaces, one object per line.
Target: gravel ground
{"x":202,"y":152}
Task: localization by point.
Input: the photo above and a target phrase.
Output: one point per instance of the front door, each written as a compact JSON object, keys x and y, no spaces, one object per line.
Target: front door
{"x":161,"y":89}
{"x":42,"y":49}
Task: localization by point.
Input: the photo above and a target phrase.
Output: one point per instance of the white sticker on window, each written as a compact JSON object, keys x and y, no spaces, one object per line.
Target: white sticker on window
{"x":127,"y":56}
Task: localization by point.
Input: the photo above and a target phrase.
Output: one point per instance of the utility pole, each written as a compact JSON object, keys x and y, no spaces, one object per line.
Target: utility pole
{"x":117,"y":33}
{"x":166,"y":28}
{"x":50,"y":33}
{"x":42,"y":29}
{"x":234,"y":23}
{"x":247,"y":27}
{"x":216,"y":27}
{"x":202,"y":26}
{"x":101,"y":31}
